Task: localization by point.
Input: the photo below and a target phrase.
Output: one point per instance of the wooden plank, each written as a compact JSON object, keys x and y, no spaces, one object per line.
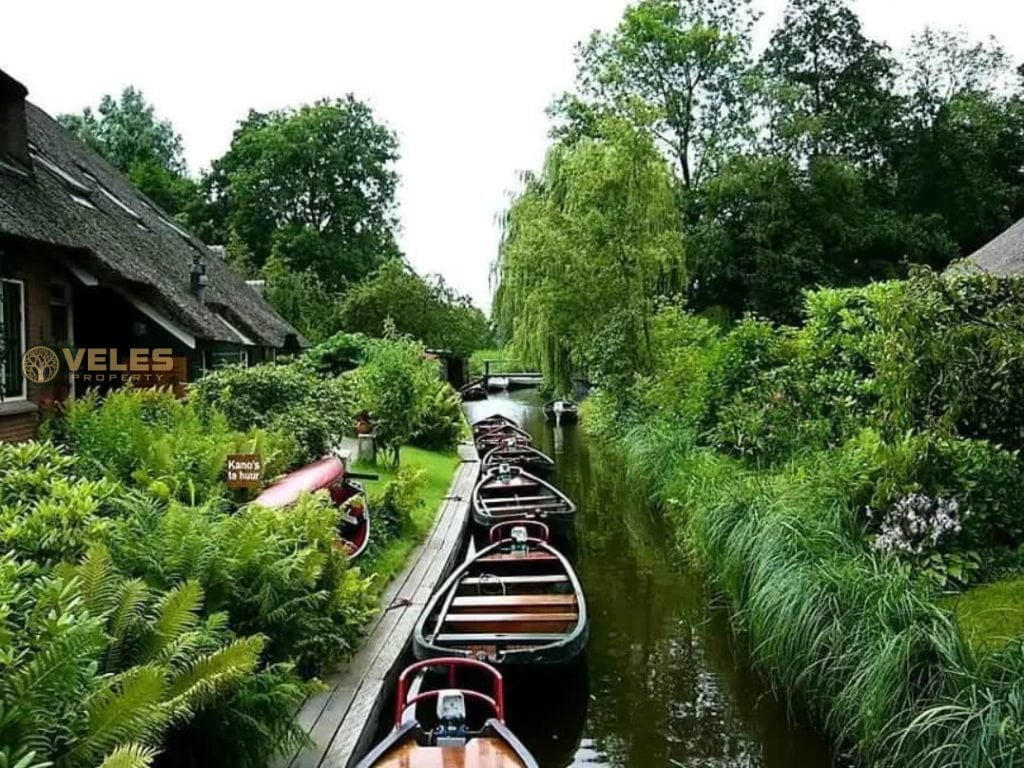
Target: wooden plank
{"x":489,"y":637}
{"x":494,"y":581}
{"x":513,"y":602}
{"x":341,"y":719}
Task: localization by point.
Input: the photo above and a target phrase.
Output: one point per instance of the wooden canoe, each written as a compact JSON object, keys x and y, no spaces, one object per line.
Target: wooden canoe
{"x":442,"y":739}
{"x":347,"y":495}
{"x":494,"y":421}
{"x":517,"y":602}
{"x":507,"y":492}
{"x":561,"y":412}
{"x":519,"y":454}
{"x":501,"y":436}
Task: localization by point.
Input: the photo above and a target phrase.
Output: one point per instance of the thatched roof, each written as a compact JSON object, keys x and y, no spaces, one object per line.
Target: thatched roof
{"x":1004,"y":255}
{"x":74,"y":198}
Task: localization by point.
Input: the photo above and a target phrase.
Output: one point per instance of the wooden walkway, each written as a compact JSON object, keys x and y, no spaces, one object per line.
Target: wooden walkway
{"x":342,"y":720}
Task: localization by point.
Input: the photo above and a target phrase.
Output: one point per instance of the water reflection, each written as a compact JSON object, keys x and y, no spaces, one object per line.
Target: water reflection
{"x":662,"y":684}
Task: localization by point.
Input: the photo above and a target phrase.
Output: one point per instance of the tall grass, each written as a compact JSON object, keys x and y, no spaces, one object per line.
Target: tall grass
{"x":848,"y":634}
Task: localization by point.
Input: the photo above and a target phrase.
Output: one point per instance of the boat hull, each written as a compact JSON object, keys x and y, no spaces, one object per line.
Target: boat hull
{"x":495,"y":747}
{"x":538,"y":618}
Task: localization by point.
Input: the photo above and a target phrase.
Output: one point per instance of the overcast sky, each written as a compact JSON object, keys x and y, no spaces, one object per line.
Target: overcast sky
{"x":463,"y":82}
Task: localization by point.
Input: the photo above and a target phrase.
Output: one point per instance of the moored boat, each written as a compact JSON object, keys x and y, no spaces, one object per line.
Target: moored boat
{"x":519,"y":454}
{"x":561,"y":412}
{"x":346,"y":494}
{"x":497,"y":383}
{"x":473,"y":392}
{"x":507,"y":492}
{"x":447,"y":736}
{"x":501,"y":436}
{"x":494,"y":421}
{"x":516,"y":602}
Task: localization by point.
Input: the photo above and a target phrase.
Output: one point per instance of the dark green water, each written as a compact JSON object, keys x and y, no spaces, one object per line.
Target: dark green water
{"x":662,"y":683}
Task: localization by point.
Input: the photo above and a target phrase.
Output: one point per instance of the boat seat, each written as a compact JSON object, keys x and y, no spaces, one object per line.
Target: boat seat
{"x":491,"y":581}
{"x":529,"y":557}
{"x":538,"y":603}
{"x":517,"y":499}
{"x":470,"y":638}
{"x":510,"y":622}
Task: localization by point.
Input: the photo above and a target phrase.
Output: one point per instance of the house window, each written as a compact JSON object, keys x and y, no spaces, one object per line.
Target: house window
{"x":219,"y":358}
{"x":12,"y":339}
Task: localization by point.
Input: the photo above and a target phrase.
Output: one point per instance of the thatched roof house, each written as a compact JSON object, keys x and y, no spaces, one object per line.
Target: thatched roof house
{"x":1004,"y":255}
{"x":87,"y":261}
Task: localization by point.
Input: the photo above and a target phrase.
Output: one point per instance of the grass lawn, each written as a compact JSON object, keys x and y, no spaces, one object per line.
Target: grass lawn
{"x":439,"y":469}
{"x":990,"y":615}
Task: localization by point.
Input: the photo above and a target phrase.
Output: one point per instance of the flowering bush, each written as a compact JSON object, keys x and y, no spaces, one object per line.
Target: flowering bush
{"x":916,"y":524}
{"x":916,"y":529}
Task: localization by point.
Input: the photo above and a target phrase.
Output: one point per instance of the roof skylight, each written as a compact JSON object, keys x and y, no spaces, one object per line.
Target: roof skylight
{"x":60,"y":173}
{"x":83,"y":202}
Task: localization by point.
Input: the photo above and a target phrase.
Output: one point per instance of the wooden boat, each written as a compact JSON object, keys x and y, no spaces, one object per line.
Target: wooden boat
{"x":489,"y":423}
{"x":516,"y":453}
{"x":497,"y":383}
{"x":518,"y":601}
{"x":346,"y":494}
{"x":507,"y":492}
{"x":473,"y":392}
{"x":561,"y":412}
{"x":501,"y":436}
{"x":445,"y":737}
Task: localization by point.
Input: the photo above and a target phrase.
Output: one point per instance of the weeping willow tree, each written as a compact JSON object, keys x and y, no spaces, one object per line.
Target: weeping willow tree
{"x":589,"y":246}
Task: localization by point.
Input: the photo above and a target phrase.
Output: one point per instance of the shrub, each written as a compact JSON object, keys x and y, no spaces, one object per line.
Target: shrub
{"x":339,"y":354}
{"x":151,"y":439}
{"x":392,"y":508}
{"x":275,"y":572}
{"x":440,"y":423}
{"x":290,"y":399}
{"x":401,"y":387}
{"x":96,"y":665}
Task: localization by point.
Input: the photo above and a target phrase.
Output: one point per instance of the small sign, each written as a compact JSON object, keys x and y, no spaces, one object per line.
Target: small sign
{"x":245,"y":470}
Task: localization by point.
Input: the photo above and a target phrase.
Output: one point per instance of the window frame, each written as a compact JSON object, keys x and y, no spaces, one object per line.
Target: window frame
{"x":8,"y":397}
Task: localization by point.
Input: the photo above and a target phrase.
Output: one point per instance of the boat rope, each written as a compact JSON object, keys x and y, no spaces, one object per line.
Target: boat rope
{"x":399,"y":602}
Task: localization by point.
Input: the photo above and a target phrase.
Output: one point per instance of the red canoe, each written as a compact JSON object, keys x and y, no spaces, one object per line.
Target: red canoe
{"x":347,"y":495}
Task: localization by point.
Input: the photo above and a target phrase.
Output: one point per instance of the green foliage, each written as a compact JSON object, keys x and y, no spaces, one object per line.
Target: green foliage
{"x":314,"y":187}
{"x":96,"y":665}
{"x":316,"y":411}
{"x":127,"y":132}
{"x":784,"y":455}
{"x":991,"y":615}
{"x":588,"y":247}
{"x":394,"y":506}
{"x":427,"y":310}
{"x":401,"y":388}
{"x":155,"y":441}
{"x":338,"y":354}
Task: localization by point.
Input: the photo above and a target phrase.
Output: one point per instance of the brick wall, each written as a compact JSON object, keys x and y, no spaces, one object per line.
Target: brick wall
{"x":36,"y":270}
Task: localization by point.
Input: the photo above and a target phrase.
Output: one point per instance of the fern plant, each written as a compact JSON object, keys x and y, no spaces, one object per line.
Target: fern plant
{"x":98,"y":667}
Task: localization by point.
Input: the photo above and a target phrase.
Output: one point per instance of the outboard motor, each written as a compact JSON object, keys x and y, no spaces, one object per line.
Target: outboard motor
{"x":519,"y":540}
{"x":451,"y":718}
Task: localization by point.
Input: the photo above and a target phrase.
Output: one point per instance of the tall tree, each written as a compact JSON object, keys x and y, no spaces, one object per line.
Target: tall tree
{"x":829,"y":87}
{"x":314,"y":187}
{"x":427,"y":310}
{"x":128,"y":133}
{"x":960,"y":147}
{"x":589,"y":247}
{"x":676,"y":67}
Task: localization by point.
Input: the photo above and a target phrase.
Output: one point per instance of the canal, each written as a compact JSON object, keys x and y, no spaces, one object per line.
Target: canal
{"x":663,"y":682}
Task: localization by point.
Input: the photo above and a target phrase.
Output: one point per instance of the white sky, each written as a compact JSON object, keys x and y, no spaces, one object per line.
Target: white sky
{"x":463,"y":82}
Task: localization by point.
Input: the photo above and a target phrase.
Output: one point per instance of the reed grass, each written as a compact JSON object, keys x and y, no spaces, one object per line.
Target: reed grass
{"x":846,"y":633}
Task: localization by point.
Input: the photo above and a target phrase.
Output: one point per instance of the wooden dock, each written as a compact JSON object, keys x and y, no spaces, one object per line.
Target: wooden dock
{"x":342,"y":721}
